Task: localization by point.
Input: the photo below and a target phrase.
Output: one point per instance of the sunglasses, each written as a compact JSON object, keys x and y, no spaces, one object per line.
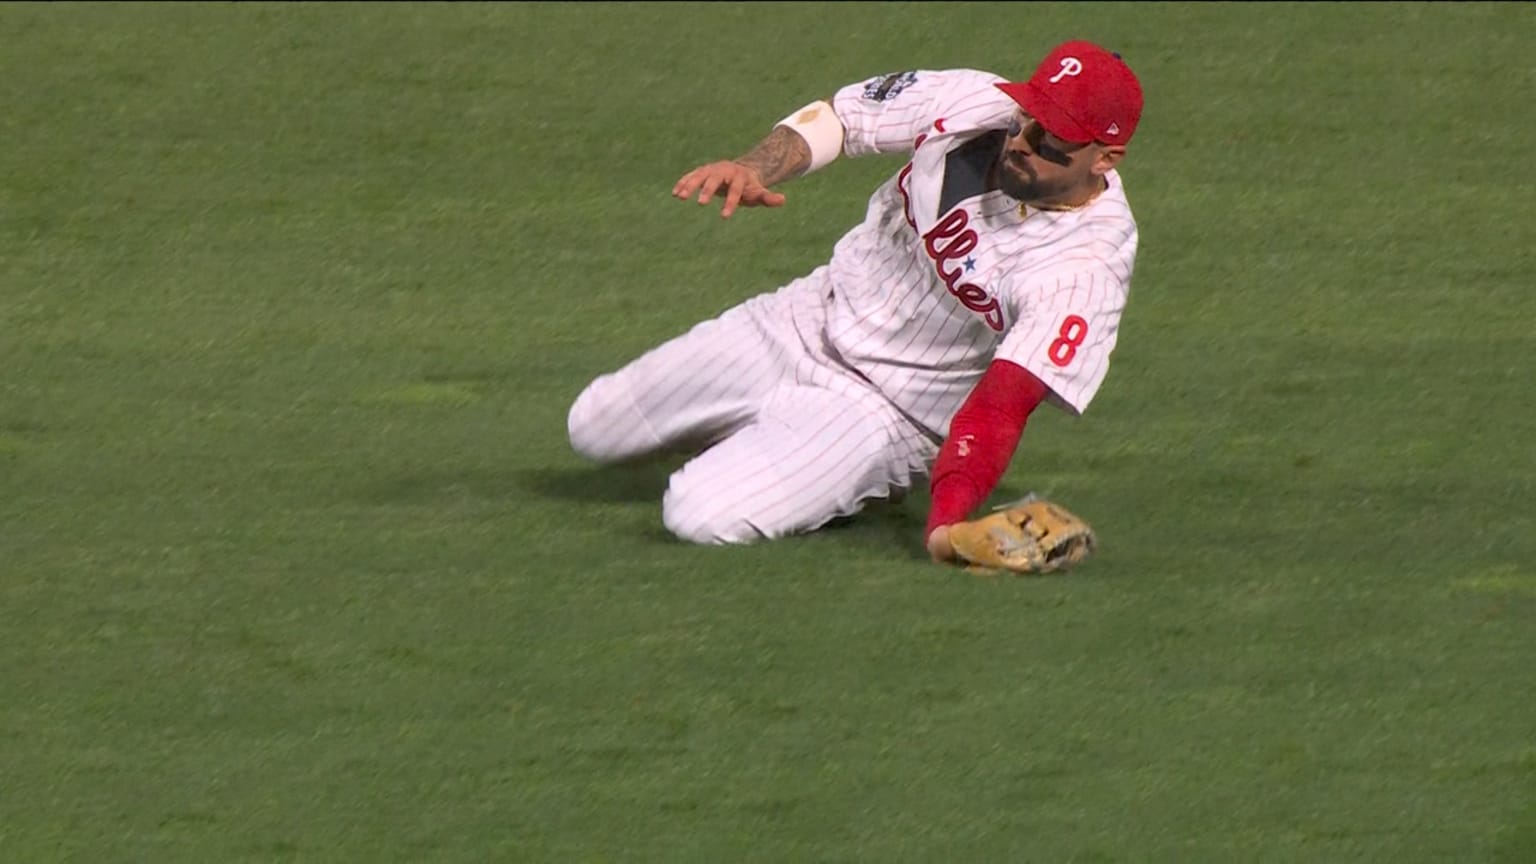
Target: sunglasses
{"x":1047,"y":146}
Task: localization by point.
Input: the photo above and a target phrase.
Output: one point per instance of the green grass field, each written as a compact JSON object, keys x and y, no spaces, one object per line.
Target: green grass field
{"x":296,"y":563}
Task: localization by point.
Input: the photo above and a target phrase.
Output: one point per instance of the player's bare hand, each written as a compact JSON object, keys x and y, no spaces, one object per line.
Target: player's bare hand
{"x":939,"y":548}
{"x":741,"y":185}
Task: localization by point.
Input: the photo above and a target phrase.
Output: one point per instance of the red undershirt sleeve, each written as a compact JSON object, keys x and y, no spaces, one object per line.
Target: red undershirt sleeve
{"x":982,"y":439}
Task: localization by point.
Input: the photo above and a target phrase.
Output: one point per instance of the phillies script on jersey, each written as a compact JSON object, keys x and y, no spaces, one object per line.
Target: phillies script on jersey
{"x":943,"y":276}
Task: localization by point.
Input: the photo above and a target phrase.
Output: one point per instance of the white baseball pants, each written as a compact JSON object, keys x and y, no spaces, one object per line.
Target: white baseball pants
{"x":791,"y":438}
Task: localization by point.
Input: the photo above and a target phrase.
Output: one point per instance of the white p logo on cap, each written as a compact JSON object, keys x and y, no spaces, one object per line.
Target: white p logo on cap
{"x":1069,"y":66}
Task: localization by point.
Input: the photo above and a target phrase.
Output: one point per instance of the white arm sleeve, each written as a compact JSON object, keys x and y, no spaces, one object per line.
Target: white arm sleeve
{"x":817,"y":123}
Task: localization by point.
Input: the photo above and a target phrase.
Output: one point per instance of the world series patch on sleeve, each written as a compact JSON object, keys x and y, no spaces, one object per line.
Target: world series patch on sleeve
{"x":1028,"y":536}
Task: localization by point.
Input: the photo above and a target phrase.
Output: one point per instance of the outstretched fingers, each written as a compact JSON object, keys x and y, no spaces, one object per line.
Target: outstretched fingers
{"x":771,"y":199}
{"x":740,"y":185}
{"x":736,"y":186}
{"x":694,"y":181}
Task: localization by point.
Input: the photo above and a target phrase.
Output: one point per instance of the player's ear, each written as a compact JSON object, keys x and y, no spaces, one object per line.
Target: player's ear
{"x":1108,"y":157}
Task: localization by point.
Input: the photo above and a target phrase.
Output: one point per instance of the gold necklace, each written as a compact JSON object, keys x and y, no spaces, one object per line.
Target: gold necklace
{"x":1062,"y":208}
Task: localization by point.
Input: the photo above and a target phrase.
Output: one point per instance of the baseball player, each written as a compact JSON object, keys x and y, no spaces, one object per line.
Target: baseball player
{"x":988,"y":277}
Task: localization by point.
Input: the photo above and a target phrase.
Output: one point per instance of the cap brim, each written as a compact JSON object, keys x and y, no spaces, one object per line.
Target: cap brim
{"x":1047,"y":113}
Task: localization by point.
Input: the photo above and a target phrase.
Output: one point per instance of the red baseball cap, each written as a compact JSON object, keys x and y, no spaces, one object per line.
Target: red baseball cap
{"x":1081,"y":93}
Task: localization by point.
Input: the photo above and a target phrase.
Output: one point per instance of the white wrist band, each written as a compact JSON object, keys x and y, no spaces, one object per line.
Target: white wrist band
{"x":817,"y":123}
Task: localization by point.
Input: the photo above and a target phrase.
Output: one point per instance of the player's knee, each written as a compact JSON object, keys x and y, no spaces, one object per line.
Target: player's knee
{"x":582,"y":426}
{"x":591,"y":424}
{"x":702,"y":516}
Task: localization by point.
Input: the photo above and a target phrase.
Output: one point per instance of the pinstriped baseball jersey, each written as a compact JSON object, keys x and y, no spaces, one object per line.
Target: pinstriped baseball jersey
{"x":803,"y":403}
{"x":943,"y":276}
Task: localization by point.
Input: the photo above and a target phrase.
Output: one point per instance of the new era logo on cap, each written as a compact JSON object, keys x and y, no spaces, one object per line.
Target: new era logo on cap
{"x":1081,"y":92}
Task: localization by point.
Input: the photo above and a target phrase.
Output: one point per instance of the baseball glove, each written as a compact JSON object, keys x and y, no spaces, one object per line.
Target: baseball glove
{"x":1027,"y":536}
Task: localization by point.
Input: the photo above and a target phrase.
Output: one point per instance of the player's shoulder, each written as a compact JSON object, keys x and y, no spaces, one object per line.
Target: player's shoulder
{"x":889,"y":86}
{"x":978,"y":83}
{"x":980,"y":77}
{"x":970,"y":103}
{"x":1112,"y":210}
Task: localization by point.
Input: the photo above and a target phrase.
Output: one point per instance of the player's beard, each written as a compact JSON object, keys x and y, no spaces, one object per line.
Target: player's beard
{"x":1018,"y":180}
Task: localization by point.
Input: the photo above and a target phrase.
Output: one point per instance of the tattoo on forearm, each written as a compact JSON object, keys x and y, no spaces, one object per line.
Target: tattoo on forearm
{"x":780,"y":156}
